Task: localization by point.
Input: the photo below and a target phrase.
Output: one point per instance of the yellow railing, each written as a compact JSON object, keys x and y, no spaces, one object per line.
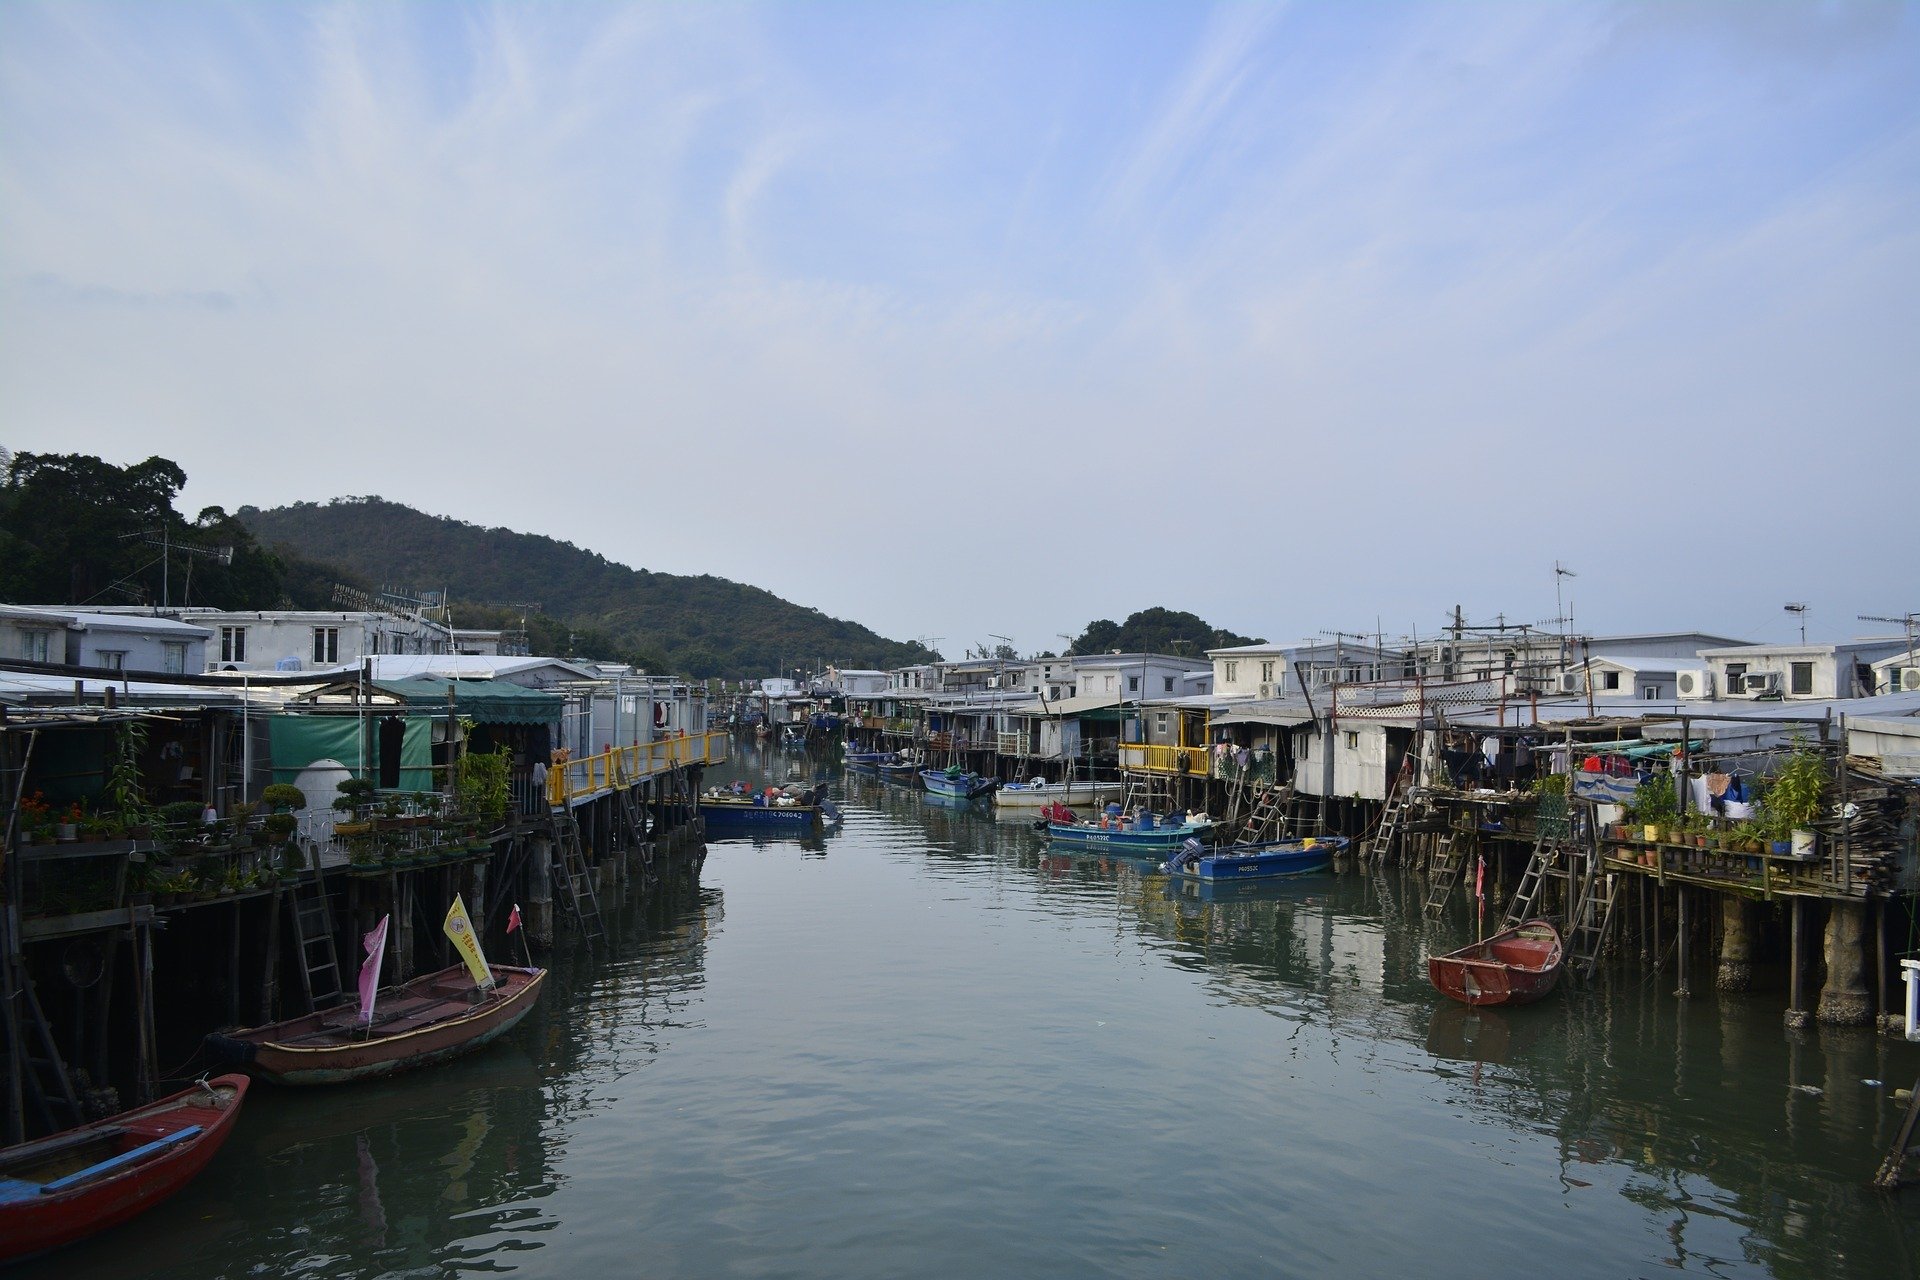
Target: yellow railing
{"x":624,"y":766}
{"x":1161,"y":757}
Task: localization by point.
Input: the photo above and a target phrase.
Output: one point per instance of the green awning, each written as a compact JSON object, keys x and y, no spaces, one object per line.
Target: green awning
{"x":481,"y":701}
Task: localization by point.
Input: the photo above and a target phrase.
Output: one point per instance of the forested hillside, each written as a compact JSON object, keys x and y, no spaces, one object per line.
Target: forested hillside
{"x":703,"y":626}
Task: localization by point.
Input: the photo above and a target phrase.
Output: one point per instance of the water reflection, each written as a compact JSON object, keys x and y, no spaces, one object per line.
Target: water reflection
{"x":949,"y":1049}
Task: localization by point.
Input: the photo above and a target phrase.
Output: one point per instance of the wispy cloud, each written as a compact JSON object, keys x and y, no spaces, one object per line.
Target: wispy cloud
{"x":1361,"y":265}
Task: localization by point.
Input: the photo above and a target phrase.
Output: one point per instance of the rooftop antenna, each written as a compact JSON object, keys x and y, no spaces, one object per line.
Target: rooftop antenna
{"x":1561,"y":571}
{"x":1068,"y":651}
{"x":163,"y":539}
{"x":1910,"y":621}
{"x":1798,"y":608}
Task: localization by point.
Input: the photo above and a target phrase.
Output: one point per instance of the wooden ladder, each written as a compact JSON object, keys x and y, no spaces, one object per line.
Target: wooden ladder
{"x":1268,"y":812}
{"x":1893,"y":1170}
{"x":313,"y":939}
{"x":575,"y":878}
{"x":1526,"y":895}
{"x":1389,"y":829}
{"x":1587,"y":937}
{"x":1444,"y":866}
{"x":44,"y":1081}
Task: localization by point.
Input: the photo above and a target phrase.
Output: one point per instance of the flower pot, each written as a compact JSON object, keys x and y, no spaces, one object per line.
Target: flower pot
{"x":1780,"y":848}
{"x":1652,"y":831}
{"x":66,"y":832}
{"x":1802,"y":843}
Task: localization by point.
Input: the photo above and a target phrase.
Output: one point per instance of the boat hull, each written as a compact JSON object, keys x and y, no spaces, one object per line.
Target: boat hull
{"x":1024,"y":795}
{"x":964,"y":787}
{"x":325,"y":1048}
{"x":33,"y":1221}
{"x":1267,"y":861}
{"x":1516,"y":966}
{"x":727,"y":818}
{"x":1131,"y":840}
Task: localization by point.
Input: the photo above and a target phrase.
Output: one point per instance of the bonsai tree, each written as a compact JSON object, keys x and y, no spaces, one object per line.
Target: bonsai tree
{"x":283,"y":797}
{"x":354,"y":793}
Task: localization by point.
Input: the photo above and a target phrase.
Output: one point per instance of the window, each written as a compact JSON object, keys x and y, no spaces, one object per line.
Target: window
{"x":1609,"y":679}
{"x":233,"y":644}
{"x":1353,"y":740}
{"x":1651,"y":693}
{"x":1160,"y":723}
{"x":111,"y":659}
{"x":326,"y":644}
{"x":173,"y":657}
{"x":1802,"y":677}
{"x":1266,"y":673}
{"x":36,"y":645}
{"x":1109,"y":688}
{"x":1133,"y":684}
{"x":1168,"y":681}
{"x":1233,"y":672}
{"x":1736,"y":677}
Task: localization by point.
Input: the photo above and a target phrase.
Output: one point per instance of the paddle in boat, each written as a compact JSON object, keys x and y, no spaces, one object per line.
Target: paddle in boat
{"x":957,"y":783}
{"x":1515,"y":966}
{"x":63,"y":1188}
{"x":1255,"y":861}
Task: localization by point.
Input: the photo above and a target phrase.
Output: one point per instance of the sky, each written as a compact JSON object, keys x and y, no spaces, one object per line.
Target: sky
{"x":972,"y":320}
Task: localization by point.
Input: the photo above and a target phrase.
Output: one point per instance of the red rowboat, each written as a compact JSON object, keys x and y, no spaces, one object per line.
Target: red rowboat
{"x":427,"y":1020}
{"x":59,"y":1189}
{"x":1515,"y":966}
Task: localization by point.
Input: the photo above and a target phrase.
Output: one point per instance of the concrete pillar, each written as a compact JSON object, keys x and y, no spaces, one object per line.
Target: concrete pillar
{"x":1796,"y":970}
{"x":539,"y":920}
{"x":1845,"y":1001}
{"x":1736,"y":946}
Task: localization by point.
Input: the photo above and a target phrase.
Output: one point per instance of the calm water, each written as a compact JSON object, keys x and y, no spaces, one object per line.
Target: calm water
{"x":926,"y":1047}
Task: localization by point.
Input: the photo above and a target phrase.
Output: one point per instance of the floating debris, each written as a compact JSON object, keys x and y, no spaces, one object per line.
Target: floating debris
{"x":1813,"y":1090}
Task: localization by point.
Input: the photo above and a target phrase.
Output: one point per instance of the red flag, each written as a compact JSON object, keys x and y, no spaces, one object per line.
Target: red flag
{"x":513,"y":918}
{"x":1480,"y":878}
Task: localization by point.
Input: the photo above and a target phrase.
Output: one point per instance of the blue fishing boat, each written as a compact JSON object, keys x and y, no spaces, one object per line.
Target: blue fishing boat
{"x":871,"y":762}
{"x":1143,"y":836}
{"x":733,"y":811}
{"x":1255,"y":861}
{"x":957,"y":783}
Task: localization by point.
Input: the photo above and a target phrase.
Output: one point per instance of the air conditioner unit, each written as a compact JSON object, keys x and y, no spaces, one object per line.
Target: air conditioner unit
{"x":1570,"y":682}
{"x":1693,"y":684}
{"x":1761,"y":683}
{"x":1909,"y":679}
{"x":1266,"y":691}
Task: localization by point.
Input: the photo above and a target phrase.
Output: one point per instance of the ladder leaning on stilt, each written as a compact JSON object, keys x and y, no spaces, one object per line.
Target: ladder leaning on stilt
{"x":1444,"y":868}
{"x":574,"y":878}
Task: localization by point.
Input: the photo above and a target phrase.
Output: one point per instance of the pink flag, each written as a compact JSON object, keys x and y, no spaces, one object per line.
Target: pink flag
{"x":1480,"y":878}
{"x":376,"y":944}
{"x":513,"y":918}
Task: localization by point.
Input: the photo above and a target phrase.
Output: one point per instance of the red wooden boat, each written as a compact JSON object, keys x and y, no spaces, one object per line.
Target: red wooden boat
{"x":62,"y":1188}
{"x":1515,"y":966}
{"x":427,"y":1020}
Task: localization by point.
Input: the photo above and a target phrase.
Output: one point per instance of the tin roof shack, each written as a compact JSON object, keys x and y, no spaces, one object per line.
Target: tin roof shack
{"x":106,"y":641}
{"x":1898,"y":672}
{"x":1612,"y":677}
{"x":1800,"y":671}
{"x":306,"y":640}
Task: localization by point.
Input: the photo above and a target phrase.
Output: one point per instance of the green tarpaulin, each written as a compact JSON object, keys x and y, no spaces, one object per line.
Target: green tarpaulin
{"x":298,"y":741}
{"x":481,"y":701}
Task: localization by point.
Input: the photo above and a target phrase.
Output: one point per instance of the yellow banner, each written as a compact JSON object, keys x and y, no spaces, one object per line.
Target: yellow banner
{"x":460,"y":929}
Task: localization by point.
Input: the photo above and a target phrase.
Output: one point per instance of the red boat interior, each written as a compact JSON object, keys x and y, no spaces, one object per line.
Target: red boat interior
{"x":71,"y":1159}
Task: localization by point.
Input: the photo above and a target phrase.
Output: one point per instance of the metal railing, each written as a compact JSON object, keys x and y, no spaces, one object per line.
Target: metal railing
{"x":1163,"y":757}
{"x":624,"y":766}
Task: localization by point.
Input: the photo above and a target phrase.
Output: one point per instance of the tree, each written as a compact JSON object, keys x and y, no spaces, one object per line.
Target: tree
{"x":1157,"y":630}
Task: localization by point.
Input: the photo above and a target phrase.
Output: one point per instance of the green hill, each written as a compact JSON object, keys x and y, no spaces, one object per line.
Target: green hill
{"x":702,"y":626}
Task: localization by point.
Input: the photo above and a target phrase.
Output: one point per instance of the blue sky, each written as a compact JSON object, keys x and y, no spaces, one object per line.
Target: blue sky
{"x":959,"y":319}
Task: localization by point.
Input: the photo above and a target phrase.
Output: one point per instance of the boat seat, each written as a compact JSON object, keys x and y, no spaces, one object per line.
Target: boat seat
{"x":120,"y":1161}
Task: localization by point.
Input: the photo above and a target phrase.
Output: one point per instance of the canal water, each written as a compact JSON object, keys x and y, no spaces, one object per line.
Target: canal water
{"x":924,"y":1046}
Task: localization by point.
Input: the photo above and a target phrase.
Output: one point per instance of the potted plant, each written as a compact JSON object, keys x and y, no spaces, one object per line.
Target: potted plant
{"x":1654,"y":806}
{"x":353,"y":794}
{"x":1797,"y":797}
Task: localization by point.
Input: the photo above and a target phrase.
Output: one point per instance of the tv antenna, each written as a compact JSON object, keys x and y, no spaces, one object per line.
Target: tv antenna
{"x":1909,"y":621}
{"x":1798,"y":608}
{"x":163,"y":539}
{"x":1560,"y":614}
